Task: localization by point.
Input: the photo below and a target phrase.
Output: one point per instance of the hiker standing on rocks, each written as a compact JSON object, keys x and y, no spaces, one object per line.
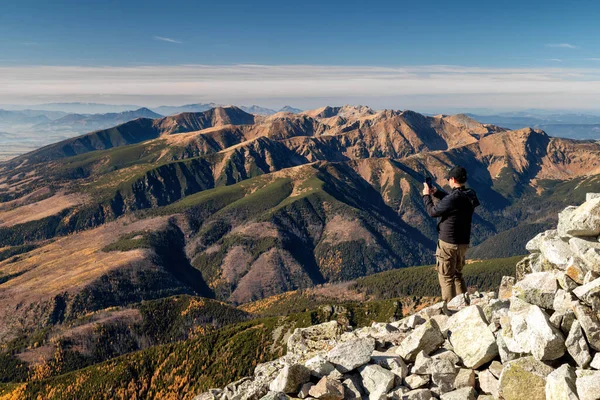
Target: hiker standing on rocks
{"x":454,"y":230}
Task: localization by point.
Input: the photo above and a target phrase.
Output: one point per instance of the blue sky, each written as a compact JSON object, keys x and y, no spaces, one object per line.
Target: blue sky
{"x":532,"y":37}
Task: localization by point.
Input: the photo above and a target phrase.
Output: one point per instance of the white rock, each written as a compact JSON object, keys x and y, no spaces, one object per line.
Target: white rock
{"x":537,"y":288}
{"x":588,"y":251}
{"x":398,"y":392}
{"x":584,"y":220}
{"x":560,"y":384}
{"x":595,"y":364}
{"x":466,"y":393}
{"x":426,"y":337}
{"x":306,"y":342}
{"x":349,"y":355}
{"x":464,"y":378}
{"x":415,"y":381}
{"x":577,"y":346}
{"x":555,"y":250}
{"x":547,"y":342}
{"x":457,"y":303}
{"x":488,"y":383}
{"x":590,"y":294}
{"x":591,"y":196}
{"x":564,"y":221}
{"x":376,"y":380}
{"x":564,"y":301}
{"x":470,"y":337}
{"x":588,"y":385}
{"x":319,"y":366}
{"x":390,"y":361}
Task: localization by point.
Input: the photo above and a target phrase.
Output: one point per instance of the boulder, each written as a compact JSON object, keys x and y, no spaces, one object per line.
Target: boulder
{"x":590,"y":294}
{"x":306,"y":342}
{"x":390,"y":360}
{"x":588,"y":384}
{"x":398,"y":392}
{"x":524,"y":375}
{"x":458,"y":303}
{"x":564,"y":301}
{"x":590,"y":276}
{"x":577,"y":346}
{"x":327,"y":389}
{"x":445,"y":354}
{"x":466,"y":393}
{"x":488,"y":383}
{"x":305,"y":389}
{"x":590,"y":323}
{"x":506,"y":286}
{"x":349,"y":355}
{"x":537,"y":288}
{"x":506,"y":354}
{"x":353,"y":389}
{"x":565,"y":282}
{"x":319,"y":366}
{"x":470,"y":337}
{"x":426,"y":337}
{"x":272,"y":396}
{"x":555,"y":250}
{"x":546,"y":341}
{"x":583,"y":220}
{"x":415,"y":381}
{"x":376,"y":379}
{"x":495,"y":368}
{"x":564,"y":221}
{"x":595,"y":364}
{"x":290,"y":379}
{"x":464,"y":378}
{"x":588,"y":250}
{"x":560,"y":384}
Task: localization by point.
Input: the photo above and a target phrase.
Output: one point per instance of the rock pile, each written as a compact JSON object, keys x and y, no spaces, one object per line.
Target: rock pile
{"x":539,"y":338}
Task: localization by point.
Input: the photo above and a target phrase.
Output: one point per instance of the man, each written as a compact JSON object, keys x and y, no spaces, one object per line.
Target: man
{"x":454,"y":230}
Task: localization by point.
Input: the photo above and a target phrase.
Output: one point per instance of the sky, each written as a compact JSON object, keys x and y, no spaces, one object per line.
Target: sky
{"x":424,"y":55}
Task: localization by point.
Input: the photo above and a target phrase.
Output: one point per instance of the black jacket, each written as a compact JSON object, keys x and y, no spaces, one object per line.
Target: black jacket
{"x":456,"y":212}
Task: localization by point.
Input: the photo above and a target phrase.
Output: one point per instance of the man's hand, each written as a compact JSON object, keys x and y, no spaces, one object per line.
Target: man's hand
{"x":428,"y":191}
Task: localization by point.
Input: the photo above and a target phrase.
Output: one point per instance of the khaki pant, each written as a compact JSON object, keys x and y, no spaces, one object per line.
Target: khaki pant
{"x":450,"y":259}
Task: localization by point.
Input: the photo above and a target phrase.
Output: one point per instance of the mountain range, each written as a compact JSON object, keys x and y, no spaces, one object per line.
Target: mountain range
{"x":238,"y":207}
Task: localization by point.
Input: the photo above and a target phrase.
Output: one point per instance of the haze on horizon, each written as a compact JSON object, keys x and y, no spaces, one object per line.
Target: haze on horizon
{"x":428,"y":57}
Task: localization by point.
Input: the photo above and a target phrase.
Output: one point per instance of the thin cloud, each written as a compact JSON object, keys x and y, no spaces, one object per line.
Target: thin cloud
{"x":306,"y":84}
{"x":562,"y":45}
{"x":166,"y":39}
{"x":592,"y":59}
{"x":554,"y":59}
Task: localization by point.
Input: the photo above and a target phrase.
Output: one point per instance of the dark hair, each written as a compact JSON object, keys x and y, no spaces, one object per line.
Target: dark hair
{"x":459,"y":173}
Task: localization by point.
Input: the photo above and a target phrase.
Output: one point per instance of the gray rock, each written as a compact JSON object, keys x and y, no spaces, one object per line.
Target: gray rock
{"x":418,"y":394}
{"x":327,"y":389}
{"x":577,"y":346}
{"x":547,"y":342}
{"x":376,"y":380}
{"x":319,"y":366}
{"x":353,"y":389}
{"x":496,"y":369}
{"x":390,"y":361}
{"x":464,"y":378}
{"x":590,"y":276}
{"x":488,"y":383}
{"x":445,"y":354}
{"x":398,"y":393}
{"x":349,"y":355}
{"x":290,"y":379}
{"x":588,"y":385}
{"x":588,"y":251}
{"x":426,"y":337}
{"x":506,"y":354}
{"x":415,"y":381}
{"x":305,"y":389}
{"x":565,"y":282}
{"x":591,"y":325}
{"x":537,"y":288}
{"x":443,"y":382}
{"x":506,"y":286}
{"x":470,"y":337}
{"x":466,"y":393}
{"x":306,"y":342}
{"x":590,"y":294}
{"x":560,"y":384}
{"x":524,"y":375}
{"x":211,"y":394}
{"x":457,"y":303}
{"x":564,"y":301}
{"x":584,"y":220}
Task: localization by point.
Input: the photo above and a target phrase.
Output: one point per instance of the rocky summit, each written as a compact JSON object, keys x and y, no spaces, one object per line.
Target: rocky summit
{"x":538,"y":339}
